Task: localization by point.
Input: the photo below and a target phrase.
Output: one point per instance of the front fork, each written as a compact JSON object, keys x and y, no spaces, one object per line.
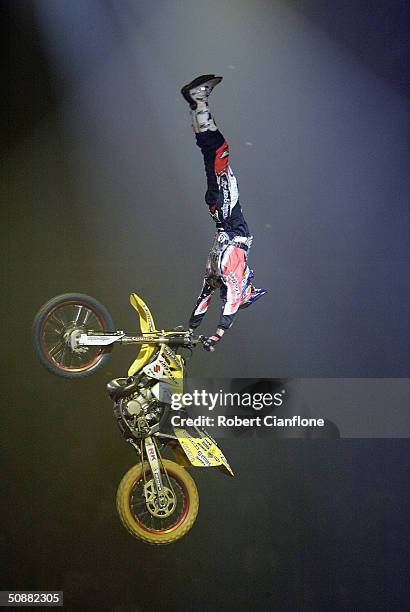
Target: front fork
{"x":160,"y":498}
{"x":154,"y":459}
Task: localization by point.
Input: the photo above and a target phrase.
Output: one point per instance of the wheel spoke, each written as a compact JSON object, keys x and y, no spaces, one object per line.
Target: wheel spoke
{"x":87,"y":314}
{"x":57,"y":348}
{"x":57,"y":322}
{"x":79,"y":311}
{"x":62,"y":360}
{"x":51,"y":330}
{"x":63,"y":315}
{"x":56,"y":319}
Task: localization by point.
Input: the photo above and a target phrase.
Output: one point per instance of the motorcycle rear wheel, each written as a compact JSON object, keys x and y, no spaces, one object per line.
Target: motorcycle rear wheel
{"x":136,"y":518}
{"x":57,"y":320}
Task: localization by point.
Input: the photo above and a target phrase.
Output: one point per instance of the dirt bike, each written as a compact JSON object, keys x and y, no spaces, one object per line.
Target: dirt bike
{"x":157,"y":499}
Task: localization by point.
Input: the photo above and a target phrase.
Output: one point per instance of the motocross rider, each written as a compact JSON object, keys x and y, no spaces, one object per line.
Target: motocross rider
{"x":226,"y":267}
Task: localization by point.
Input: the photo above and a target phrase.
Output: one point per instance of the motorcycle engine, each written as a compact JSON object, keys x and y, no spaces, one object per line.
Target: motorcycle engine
{"x":143,"y":404}
{"x":133,"y":407}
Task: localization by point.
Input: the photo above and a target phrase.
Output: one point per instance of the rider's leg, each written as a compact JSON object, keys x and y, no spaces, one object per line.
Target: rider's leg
{"x":196,"y":93}
{"x":212,"y":143}
{"x":251,"y":295}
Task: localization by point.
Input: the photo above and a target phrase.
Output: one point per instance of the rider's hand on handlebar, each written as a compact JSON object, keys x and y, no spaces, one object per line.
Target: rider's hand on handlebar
{"x":210,"y":342}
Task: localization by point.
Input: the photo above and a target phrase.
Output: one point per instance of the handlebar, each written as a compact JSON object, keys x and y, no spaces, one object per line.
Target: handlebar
{"x":173,"y":338}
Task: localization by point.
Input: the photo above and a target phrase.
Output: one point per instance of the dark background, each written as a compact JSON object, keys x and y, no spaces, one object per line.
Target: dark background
{"x":104,"y":195}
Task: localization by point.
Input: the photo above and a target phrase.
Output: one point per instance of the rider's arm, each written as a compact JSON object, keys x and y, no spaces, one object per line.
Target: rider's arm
{"x":201,"y":305}
{"x":227,"y":316}
{"x":225,"y":323}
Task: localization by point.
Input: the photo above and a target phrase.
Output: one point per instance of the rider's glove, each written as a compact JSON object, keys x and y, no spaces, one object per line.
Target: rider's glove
{"x":213,"y":211}
{"x":210,"y":342}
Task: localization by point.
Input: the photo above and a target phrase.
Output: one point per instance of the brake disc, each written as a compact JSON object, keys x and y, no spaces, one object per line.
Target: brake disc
{"x":168,"y":500}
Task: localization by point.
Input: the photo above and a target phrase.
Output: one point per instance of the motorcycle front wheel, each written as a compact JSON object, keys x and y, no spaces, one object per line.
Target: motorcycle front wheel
{"x":140,"y":522}
{"x":55,"y":324}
